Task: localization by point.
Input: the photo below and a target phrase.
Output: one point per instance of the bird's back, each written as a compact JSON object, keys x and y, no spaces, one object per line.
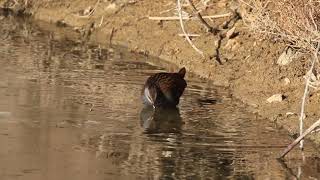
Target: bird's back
{"x":164,"y":89}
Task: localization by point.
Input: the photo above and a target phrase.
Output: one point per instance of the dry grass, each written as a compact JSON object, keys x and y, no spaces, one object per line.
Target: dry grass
{"x":295,"y":22}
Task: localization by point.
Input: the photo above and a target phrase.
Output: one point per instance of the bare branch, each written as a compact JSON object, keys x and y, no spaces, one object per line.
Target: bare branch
{"x":306,"y":90}
{"x":209,"y":28}
{"x":184,"y":32}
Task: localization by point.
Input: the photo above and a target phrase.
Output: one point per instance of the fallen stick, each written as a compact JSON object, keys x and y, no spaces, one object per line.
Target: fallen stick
{"x":306,"y":91}
{"x":174,"y":18}
{"x":101,"y":21}
{"x":295,"y":142}
{"x":190,"y":35}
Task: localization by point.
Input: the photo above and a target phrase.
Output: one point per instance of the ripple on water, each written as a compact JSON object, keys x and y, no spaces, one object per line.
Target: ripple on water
{"x":79,"y":116}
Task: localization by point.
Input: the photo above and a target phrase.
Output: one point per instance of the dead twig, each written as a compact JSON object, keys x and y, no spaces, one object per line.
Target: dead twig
{"x":101,"y":21}
{"x":174,"y":18}
{"x":190,"y":35}
{"x":306,"y":90}
{"x":209,"y":28}
{"x":295,"y":142}
{"x":184,"y":32}
{"x":288,"y":169}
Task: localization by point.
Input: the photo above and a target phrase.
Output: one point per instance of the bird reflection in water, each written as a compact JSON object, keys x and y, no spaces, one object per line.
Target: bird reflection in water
{"x":160,"y":120}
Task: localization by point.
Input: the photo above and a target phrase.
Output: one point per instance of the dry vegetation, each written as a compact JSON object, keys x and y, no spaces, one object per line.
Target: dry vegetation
{"x":296,"y":23}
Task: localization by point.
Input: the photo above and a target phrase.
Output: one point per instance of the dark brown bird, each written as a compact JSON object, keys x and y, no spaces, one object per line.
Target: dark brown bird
{"x":164,"y":89}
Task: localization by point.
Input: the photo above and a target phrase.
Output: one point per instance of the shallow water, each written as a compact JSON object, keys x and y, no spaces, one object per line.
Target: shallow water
{"x":73,"y":111}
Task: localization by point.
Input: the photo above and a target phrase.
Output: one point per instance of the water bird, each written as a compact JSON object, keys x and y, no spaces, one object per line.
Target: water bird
{"x":164,"y":89}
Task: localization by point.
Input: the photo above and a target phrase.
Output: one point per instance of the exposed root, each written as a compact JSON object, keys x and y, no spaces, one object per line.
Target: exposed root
{"x":174,"y":18}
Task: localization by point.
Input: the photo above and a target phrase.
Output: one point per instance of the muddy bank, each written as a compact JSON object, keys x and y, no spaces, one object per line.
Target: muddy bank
{"x":247,"y":65}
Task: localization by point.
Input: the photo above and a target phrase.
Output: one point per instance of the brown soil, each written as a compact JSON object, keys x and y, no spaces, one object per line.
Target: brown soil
{"x":248,"y":64}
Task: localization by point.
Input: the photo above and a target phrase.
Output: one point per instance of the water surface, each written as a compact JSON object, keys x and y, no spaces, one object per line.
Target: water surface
{"x":69,"y":110}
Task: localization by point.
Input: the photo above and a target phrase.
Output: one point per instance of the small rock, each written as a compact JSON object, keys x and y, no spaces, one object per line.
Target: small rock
{"x":254,"y":105}
{"x":87,"y":11}
{"x":255,"y":43}
{"x":286,"y":81}
{"x":61,"y":23}
{"x":132,"y":1}
{"x":275,"y":98}
{"x":232,"y":44}
{"x":287,"y":56}
{"x":111,"y":50}
{"x":112,"y":8}
{"x":230,"y":32}
{"x":290,"y":114}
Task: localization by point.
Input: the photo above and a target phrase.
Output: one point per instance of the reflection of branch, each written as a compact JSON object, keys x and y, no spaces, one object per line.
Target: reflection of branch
{"x":285,"y":166}
{"x":183,"y":30}
{"x":295,"y":142}
{"x":111,"y":36}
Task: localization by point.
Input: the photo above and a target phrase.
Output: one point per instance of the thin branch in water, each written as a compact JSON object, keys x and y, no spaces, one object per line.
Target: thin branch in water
{"x":288,"y":169}
{"x":183,"y":30}
{"x":296,"y":141}
{"x":306,"y":90}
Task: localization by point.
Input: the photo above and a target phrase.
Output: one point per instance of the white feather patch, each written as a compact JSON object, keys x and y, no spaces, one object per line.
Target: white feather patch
{"x":148,"y":95}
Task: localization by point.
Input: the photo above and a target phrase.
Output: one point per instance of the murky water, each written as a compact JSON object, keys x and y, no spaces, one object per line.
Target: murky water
{"x":72,"y":111}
